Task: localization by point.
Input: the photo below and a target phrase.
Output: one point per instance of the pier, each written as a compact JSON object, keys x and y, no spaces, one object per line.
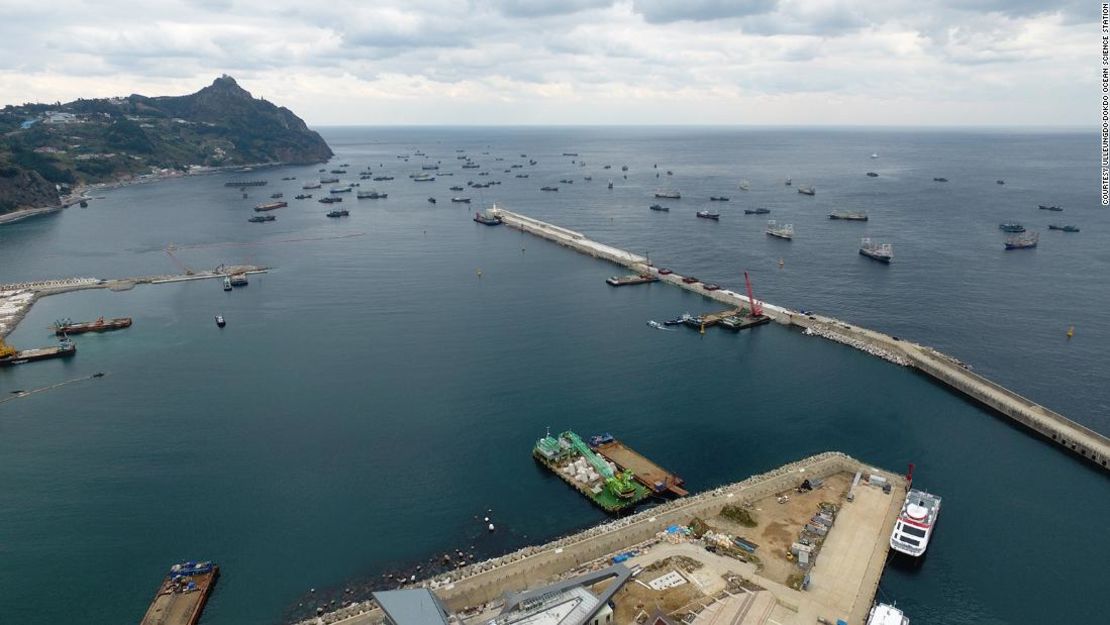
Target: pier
{"x":17,"y":298}
{"x":842,"y":580}
{"x":1054,"y":427}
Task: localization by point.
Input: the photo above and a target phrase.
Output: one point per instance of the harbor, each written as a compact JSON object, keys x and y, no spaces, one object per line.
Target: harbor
{"x":1064,"y":433}
{"x":731,"y":550}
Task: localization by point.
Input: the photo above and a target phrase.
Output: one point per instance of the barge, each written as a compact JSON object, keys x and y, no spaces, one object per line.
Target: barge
{"x":9,"y":356}
{"x":183,"y":593}
{"x":643,"y":278}
{"x":269,"y":206}
{"x":246,"y":183}
{"x":67,"y":326}
{"x":599,"y":480}
{"x":658,"y":480}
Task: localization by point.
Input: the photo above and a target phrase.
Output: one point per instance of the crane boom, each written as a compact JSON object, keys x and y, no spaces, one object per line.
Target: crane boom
{"x":757,"y":308}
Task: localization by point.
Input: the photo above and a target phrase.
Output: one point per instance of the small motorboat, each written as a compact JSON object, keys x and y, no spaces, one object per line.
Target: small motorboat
{"x":657,"y":207}
{"x":227,"y":283}
{"x":709,"y":215}
{"x":220,"y":321}
{"x":431,"y":200}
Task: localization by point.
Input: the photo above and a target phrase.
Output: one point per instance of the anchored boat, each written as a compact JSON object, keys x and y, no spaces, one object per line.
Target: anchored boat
{"x":785,"y":231}
{"x":181,"y":597}
{"x":574,"y":462}
{"x":1022,"y":241}
{"x":9,"y":356}
{"x":709,"y":215}
{"x":848,"y":216}
{"x":669,"y":194}
{"x":63,"y":327}
{"x":882,"y":252}
{"x":915,"y":524}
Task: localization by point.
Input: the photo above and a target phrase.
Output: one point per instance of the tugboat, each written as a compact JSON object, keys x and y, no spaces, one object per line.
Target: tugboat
{"x":756,"y":211}
{"x":1065,"y":228}
{"x":657,"y":207}
{"x":785,"y":231}
{"x":709,"y":215}
{"x":342,"y":212}
{"x":915,"y":524}
{"x":220,"y":321}
{"x":744,"y":185}
{"x":1022,"y":241}
{"x":882,"y":252}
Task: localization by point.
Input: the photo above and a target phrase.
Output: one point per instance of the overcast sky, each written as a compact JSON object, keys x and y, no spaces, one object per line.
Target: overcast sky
{"x":807,"y":62}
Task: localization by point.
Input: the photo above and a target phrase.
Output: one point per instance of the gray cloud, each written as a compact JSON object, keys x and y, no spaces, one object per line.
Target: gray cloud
{"x":665,"y":11}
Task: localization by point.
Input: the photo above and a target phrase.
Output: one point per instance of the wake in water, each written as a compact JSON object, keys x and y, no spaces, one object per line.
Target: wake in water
{"x":659,"y":326}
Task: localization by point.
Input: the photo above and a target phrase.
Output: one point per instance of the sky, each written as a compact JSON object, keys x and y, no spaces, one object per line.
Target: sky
{"x":481,"y":62}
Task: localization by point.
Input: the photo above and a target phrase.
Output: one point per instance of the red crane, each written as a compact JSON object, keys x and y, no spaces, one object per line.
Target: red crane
{"x":757,"y":308}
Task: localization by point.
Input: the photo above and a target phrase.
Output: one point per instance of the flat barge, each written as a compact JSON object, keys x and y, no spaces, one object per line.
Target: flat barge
{"x":246,"y":183}
{"x":643,"y":278}
{"x":10,"y":357}
{"x":655,"y":478}
{"x":65,"y":326}
{"x":608,"y":487}
{"x":182,"y":595}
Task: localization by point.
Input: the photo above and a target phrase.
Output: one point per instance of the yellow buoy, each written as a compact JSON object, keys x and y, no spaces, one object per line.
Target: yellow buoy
{"x":1071,"y":331}
{"x":479,"y":274}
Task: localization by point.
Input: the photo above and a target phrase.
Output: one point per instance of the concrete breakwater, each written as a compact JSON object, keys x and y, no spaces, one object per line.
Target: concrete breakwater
{"x":17,"y":298}
{"x":1076,"y":438}
{"x":487,"y":581}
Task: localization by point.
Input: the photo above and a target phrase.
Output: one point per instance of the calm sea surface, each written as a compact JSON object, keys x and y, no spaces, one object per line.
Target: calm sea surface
{"x":372,"y":395}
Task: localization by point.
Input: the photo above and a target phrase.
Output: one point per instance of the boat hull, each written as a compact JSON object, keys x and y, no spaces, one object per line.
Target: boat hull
{"x":876,"y":257}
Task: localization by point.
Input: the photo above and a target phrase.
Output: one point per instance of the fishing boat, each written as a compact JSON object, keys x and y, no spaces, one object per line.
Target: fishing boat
{"x":709,"y":215}
{"x":488,"y":217}
{"x":270,"y":206}
{"x":382,"y":178}
{"x":1065,"y":228}
{"x":785,"y":231}
{"x":331,"y":180}
{"x":718,"y":198}
{"x":1013,"y":227}
{"x":227,"y":283}
{"x":258,"y":219}
{"x":431,"y":200}
{"x":371,"y":194}
{"x":329,"y":200}
{"x":220,"y":321}
{"x":807,"y":190}
{"x":549,"y":188}
{"x":744,"y":185}
{"x":658,"y":207}
{"x":756,"y":211}
{"x":882,"y":252}
{"x":342,"y":212}
{"x":940,"y":180}
{"x":914,"y":526}
{"x":788,"y":182}
{"x":872,"y":174}
{"x":1000,"y":181}
{"x":1055,"y":209}
{"x":859,"y":216}
{"x":610,"y":183}
{"x":1022,"y":241}
{"x":461,"y":200}
{"x":669,"y":194}
{"x":303,"y":196}
{"x":423,"y":178}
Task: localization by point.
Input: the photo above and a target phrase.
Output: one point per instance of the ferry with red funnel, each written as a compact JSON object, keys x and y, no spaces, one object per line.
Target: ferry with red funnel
{"x":915,"y":524}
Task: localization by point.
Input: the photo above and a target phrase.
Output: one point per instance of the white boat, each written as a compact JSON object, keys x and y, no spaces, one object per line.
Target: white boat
{"x":785,"y":231}
{"x":873,"y":155}
{"x":744,"y":185}
{"x":610,"y":183}
{"x":669,"y":194}
{"x":883,"y":614}
{"x":914,"y":526}
{"x":882,"y":252}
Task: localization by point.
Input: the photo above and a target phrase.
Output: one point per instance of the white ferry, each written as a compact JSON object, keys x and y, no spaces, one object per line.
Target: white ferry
{"x":915,"y":524}
{"x":883,"y":614}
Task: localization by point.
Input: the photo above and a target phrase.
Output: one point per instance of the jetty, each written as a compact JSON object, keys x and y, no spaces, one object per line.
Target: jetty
{"x":759,"y":583}
{"x":1053,"y":426}
{"x":17,"y":298}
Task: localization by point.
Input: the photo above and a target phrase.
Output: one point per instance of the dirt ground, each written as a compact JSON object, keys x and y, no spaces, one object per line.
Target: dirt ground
{"x":634,"y":597}
{"x":779,"y":524}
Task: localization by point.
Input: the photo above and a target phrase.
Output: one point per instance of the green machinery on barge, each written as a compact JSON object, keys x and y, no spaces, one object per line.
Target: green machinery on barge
{"x":572,"y":459}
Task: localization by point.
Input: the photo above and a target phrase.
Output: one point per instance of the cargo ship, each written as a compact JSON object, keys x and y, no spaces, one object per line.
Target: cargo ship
{"x":643,"y":278}
{"x":62,"y":327}
{"x":181,"y":597}
{"x":1022,"y":241}
{"x":882,"y":252}
{"x":569,"y":457}
{"x":848,"y":216}
{"x":9,"y":356}
{"x":269,"y":206}
{"x":655,"y":478}
{"x":488,"y":217}
{"x":246,"y":183}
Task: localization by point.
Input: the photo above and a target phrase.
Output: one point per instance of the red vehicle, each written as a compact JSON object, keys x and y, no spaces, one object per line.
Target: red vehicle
{"x":664,"y":271}
{"x":690,"y":279}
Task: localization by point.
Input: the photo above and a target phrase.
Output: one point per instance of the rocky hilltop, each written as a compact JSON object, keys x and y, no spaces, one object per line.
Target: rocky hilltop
{"x":47,"y":148}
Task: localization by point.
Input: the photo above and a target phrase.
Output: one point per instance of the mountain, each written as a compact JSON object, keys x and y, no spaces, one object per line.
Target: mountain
{"x":47,"y":148}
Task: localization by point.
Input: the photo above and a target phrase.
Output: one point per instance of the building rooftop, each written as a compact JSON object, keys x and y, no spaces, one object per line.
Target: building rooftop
{"x":568,"y":602}
{"x":411,"y":607}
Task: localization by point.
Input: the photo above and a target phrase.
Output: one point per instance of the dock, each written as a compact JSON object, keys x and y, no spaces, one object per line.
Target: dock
{"x":840,"y":583}
{"x":1054,"y":427}
{"x":655,"y":478}
{"x":183,"y":593}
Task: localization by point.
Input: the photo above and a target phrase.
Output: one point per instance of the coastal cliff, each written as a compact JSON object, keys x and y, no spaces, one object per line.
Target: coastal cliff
{"x":47,"y":149}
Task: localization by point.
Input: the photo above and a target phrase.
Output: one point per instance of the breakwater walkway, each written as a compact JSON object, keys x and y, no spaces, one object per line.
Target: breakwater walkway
{"x":17,"y":298}
{"x":1078,"y":439}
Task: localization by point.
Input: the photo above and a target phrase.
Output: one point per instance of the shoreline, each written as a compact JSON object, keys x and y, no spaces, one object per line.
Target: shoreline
{"x":81,"y":193}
